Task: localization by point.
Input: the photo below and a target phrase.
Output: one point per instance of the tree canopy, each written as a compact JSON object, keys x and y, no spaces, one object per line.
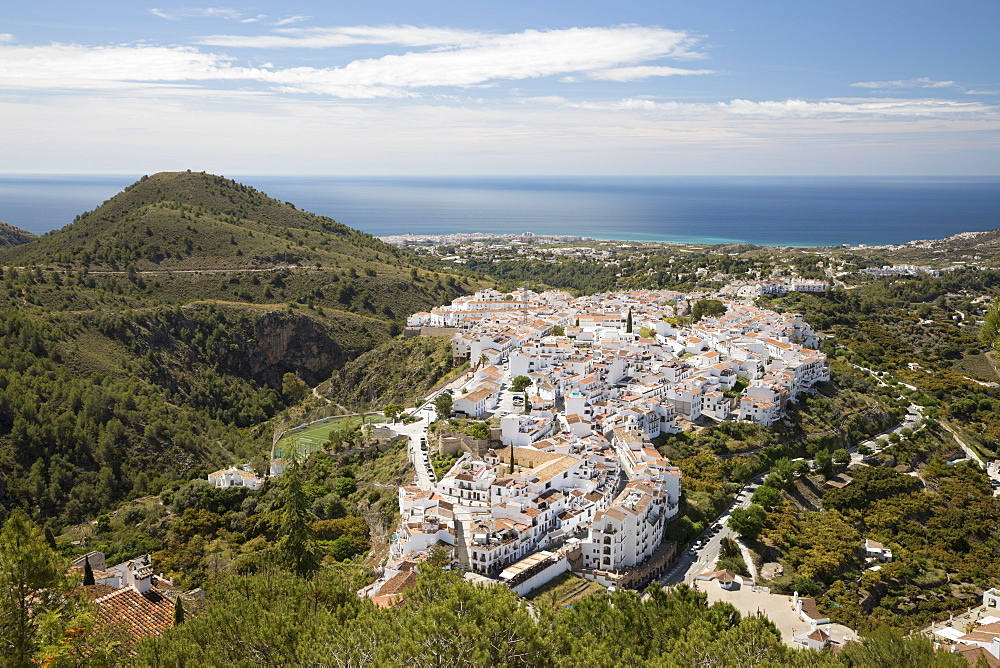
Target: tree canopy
{"x":446,"y":621}
{"x":520,"y":383}
{"x":747,"y":522}
{"x":443,"y":404}
{"x":707,"y":308}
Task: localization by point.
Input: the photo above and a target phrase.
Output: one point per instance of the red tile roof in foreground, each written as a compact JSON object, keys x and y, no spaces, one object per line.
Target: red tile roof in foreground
{"x":139,"y":615}
{"x":391,"y":593}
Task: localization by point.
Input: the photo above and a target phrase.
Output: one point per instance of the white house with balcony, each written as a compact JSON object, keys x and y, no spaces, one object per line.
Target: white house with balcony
{"x":628,"y":532}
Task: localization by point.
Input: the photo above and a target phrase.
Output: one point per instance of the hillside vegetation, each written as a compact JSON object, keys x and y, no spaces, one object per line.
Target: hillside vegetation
{"x":14,"y":236}
{"x":399,"y":371}
{"x":195,"y":220}
{"x":150,"y":340}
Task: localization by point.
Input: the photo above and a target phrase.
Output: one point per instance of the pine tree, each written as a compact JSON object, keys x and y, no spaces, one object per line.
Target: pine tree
{"x":628,"y":322}
{"x":29,"y":569}
{"x":88,"y":573}
{"x":297,"y":544}
{"x":178,"y":611}
{"x":50,"y":539}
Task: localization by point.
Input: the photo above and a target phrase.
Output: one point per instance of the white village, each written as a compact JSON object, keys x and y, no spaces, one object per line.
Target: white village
{"x":577,"y":485}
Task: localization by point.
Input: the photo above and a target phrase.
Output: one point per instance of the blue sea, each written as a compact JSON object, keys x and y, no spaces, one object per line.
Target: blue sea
{"x":774,"y":211}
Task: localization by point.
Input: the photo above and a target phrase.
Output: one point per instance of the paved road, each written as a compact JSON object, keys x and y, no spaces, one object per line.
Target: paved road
{"x":417,"y":432}
{"x":689,"y":566}
{"x":965,"y":447}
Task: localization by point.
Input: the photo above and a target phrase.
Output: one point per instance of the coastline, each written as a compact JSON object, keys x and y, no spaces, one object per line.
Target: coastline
{"x":773,"y":212}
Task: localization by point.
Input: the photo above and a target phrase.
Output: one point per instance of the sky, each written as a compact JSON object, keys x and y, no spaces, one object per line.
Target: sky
{"x":699,"y":87}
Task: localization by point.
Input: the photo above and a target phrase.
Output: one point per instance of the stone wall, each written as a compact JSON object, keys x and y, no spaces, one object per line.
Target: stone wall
{"x":410,"y":332}
{"x":450,"y":443}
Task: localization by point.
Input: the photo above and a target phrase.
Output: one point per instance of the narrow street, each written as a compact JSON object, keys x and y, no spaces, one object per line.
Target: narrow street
{"x":415,"y":432}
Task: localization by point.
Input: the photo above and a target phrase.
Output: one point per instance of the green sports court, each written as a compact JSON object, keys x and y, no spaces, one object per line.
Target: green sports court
{"x":306,"y":440}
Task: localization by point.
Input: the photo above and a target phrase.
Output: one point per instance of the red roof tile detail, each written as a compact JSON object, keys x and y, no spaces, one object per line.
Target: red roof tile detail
{"x":140,"y":615}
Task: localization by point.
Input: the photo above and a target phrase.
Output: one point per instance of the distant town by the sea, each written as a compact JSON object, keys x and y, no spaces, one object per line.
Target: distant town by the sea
{"x":771,"y":211}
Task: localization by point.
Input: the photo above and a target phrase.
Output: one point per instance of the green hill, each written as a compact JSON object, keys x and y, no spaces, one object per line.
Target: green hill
{"x":184,"y":220}
{"x":178,"y":237}
{"x":398,"y":371}
{"x":151,"y":339}
{"x":14,"y":236}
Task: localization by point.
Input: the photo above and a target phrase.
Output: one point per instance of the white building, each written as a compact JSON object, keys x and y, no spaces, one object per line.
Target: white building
{"x":235,"y":477}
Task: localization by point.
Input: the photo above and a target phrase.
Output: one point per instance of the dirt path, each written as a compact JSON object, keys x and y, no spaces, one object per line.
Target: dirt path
{"x":316,"y":394}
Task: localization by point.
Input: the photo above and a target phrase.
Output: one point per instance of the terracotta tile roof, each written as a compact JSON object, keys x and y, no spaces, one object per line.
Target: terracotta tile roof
{"x":139,"y":615}
{"x":98,"y":590}
{"x":973,"y":655}
{"x":398,"y":583}
{"x":984,"y":633}
{"x":809,"y":608}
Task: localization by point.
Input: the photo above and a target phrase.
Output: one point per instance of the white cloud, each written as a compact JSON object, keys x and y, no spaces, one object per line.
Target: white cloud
{"x":197,"y":12}
{"x":6,"y":37}
{"x":114,"y":63}
{"x":476,"y":59}
{"x":975,"y":91}
{"x":543,"y":99}
{"x":290,"y":19}
{"x":833,"y":109}
{"x":70,"y":84}
{"x":254,"y":19}
{"x":459,"y":59}
{"x":922,"y":82}
{"x":889,"y":108}
{"x":321,"y":38}
{"x":146,"y":134}
{"x":623,"y":74}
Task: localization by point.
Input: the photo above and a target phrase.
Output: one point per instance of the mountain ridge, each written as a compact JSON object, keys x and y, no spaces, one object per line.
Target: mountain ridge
{"x":195,"y":220}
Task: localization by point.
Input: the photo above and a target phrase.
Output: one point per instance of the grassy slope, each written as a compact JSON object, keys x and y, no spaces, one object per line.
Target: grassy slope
{"x":177,"y":238}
